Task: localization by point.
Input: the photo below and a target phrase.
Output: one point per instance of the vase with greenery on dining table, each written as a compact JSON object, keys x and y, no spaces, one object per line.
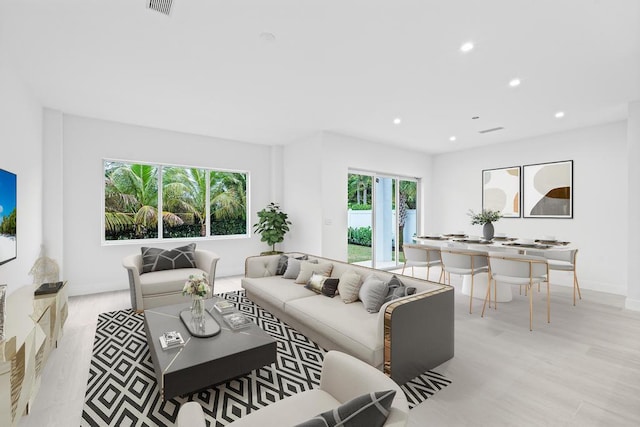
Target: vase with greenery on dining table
{"x":486,"y":218}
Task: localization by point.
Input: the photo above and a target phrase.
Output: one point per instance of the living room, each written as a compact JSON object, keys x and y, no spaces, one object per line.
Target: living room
{"x":62,"y":117}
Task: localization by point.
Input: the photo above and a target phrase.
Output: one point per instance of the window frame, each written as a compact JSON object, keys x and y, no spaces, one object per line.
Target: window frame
{"x":161,"y":238}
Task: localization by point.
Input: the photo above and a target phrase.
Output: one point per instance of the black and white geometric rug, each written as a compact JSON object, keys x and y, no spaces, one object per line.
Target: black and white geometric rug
{"x":122,"y":388}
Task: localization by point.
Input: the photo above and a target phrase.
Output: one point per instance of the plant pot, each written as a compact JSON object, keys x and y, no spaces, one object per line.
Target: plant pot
{"x":487,"y":231}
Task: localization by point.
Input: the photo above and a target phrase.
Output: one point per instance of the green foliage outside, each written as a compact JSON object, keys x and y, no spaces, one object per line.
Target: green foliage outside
{"x":8,"y":225}
{"x":359,"y":236}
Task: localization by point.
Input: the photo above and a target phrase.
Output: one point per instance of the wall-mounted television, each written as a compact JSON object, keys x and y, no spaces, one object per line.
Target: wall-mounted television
{"x":8,"y":214}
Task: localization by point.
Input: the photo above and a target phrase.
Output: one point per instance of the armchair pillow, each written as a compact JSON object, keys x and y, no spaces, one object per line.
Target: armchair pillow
{"x":156,"y":259}
{"x":371,"y":410}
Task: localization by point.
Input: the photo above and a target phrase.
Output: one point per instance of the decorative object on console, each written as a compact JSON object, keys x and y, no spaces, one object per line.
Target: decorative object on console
{"x":45,"y":269}
{"x":548,"y":190}
{"x":272,"y":225}
{"x":8,"y":216}
{"x":198,"y":287}
{"x":486,"y":218}
{"x":501,"y":191}
{"x":49,"y":288}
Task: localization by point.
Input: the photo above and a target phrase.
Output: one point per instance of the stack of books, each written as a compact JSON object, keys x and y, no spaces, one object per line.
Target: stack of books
{"x":237,"y":320}
{"x":224,"y":306}
{"x":171,"y":340}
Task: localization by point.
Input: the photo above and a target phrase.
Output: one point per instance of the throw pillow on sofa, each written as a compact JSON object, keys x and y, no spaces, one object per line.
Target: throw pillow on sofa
{"x":283,"y":263}
{"x":397,"y":289}
{"x":293,"y":268}
{"x":349,"y":286}
{"x":329,"y":287}
{"x":371,"y":410}
{"x":373,"y":293}
{"x":307,"y":269}
{"x":156,"y":259}
{"x":316,"y":282}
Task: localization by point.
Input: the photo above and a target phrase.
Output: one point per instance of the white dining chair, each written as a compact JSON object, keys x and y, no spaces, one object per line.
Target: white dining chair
{"x":465,"y":262}
{"x":422,"y":256}
{"x":516,"y":269}
{"x":565,"y":260}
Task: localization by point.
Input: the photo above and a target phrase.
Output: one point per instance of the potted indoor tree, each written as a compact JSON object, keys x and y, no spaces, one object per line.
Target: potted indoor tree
{"x":486,"y":218}
{"x":272,"y":225}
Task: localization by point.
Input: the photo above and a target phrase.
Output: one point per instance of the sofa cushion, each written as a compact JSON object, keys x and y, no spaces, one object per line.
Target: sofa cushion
{"x":349,"y":285}
{"x":348,"y":325}
{"x":156,"y":259}
{"x":370,"y":409}
{"x":308,"y":268}
{"x":293,"y":267}
{"x":276,"y":290}
{"x":372,"y":293}
{"x":166,"y":281}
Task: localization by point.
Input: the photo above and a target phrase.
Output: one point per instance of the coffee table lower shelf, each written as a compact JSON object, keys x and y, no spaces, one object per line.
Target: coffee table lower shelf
{"x":203,"y":362}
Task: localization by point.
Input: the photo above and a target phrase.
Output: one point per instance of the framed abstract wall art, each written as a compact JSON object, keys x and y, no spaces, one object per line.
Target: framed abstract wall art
{"x":501,"y":191}
{"x":548,"y":190}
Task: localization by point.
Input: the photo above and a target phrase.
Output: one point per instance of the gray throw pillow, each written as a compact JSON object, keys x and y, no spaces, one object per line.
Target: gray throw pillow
{"x":373,"y":293}
{"x":155,"y":259}
{"x":293,"y":268}
{"x":370,"y":410}
{"x":283,"y":262}
{"x":396,"y":289}
{"x":329,"y":287}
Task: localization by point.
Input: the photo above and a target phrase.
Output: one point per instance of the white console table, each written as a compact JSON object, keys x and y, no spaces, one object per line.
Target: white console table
{"x":32,"y":329}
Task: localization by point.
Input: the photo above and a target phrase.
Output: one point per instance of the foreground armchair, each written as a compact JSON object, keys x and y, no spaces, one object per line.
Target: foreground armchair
{"x":164,"y":287}
{"x":343,"y":378}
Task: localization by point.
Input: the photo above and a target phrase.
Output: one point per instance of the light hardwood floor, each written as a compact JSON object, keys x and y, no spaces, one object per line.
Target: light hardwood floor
{"x":582,"y":369}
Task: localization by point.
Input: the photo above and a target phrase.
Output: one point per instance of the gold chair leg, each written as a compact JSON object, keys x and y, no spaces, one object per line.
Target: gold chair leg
{"x":403,"y":267}
{"x":548,"y":304}
{"x":488,"y":295}
{"x":530,"y":309}
{"x":428,"y":270}
{"x":495,"y":294}
{"x":576,"y":285}
{"x":471,"y":295}
{"x":440,"y":279}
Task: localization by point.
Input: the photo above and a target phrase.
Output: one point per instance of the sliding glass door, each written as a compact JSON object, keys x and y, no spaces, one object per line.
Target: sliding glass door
{"x":382,"y":220}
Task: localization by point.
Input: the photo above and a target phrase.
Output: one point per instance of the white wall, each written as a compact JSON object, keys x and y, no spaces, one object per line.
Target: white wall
{"x":599,"y":226}
{"x":315,"y":182}
{"x":21,"y":153}
{"x":91,"y":267}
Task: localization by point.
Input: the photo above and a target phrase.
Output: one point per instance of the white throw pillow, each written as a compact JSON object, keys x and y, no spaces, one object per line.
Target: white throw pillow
{"x":308,"y":268}
{"x":348,"y":286}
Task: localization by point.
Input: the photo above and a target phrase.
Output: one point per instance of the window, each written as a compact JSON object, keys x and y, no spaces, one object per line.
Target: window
{"x":193,"y":202}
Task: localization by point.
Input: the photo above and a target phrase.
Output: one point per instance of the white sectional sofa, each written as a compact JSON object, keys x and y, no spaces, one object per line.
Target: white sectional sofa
{"x":406,"y":337}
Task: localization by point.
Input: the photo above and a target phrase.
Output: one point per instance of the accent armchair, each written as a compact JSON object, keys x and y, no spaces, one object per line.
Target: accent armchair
{"x":158,"y":288}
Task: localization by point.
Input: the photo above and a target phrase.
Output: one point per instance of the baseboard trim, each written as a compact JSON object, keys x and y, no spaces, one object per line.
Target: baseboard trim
{"x":632,"y":304}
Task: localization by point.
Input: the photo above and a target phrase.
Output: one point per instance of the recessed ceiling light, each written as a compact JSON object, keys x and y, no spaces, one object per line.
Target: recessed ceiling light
{"x":397,"y":121}
{"x":514,"y":82}
{"x":452,"y":138}
{"x":559,"y":114}
{"x":466,"y":47}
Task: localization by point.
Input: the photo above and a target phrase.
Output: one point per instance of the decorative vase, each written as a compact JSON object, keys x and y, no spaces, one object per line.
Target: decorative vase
{"x":487,"y":231}
{"x":197,"y":308}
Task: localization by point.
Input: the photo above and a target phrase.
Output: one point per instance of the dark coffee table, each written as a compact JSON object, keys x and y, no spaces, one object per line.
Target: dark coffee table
{"x":203,"y":362}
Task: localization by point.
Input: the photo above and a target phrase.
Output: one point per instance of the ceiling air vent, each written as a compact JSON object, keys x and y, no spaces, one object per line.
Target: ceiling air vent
{"x":162,"y":6}
{"x":491,"y":130}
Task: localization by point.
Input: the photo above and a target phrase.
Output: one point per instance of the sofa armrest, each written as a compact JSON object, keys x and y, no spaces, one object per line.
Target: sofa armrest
{"x":418,"y":333}
{"x":345,"y":377}
{"x":261,"y":266}
{"x":133,"y":264}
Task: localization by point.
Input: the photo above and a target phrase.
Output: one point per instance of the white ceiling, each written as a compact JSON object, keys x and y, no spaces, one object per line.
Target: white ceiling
{"x":348,"y":66}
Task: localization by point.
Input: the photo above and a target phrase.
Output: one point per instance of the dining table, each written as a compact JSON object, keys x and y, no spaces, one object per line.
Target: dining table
{"x":499,"y":243}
